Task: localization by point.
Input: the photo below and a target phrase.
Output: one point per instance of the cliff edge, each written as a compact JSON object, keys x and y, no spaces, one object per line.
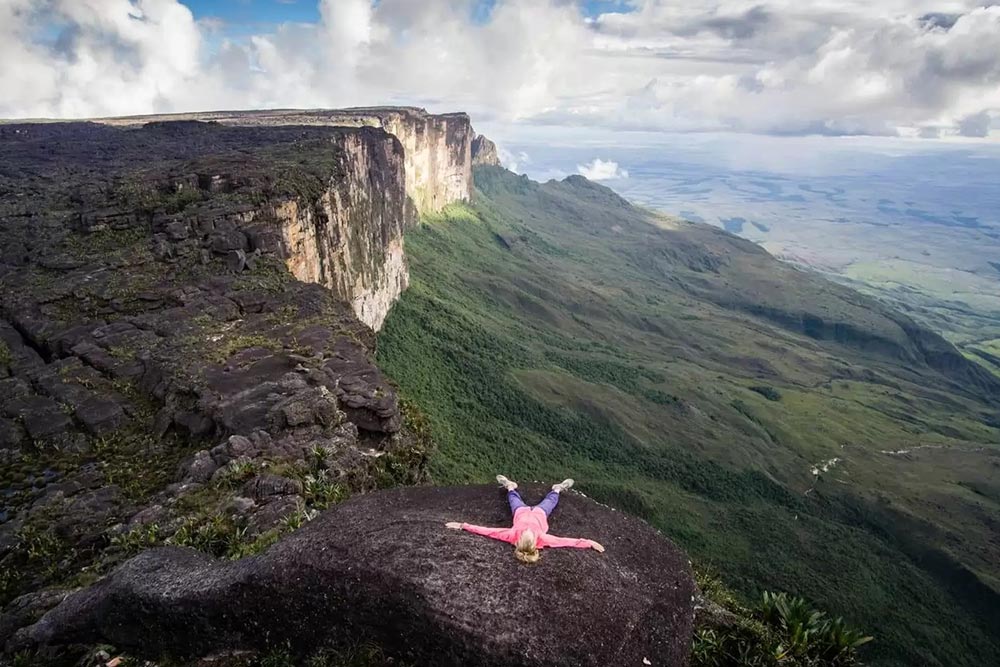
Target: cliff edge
{"x":383,"y":568}
{"x":437,"y":147}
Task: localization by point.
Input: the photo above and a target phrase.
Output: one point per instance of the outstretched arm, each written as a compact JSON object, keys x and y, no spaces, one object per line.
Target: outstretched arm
{"x":502,"y":534}
{"x":571,"y":542}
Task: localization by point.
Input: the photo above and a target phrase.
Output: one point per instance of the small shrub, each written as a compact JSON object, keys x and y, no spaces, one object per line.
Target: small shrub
{"x":229,"y":346}
{"x":770,"y":393}
{"x":321,"y":492}
{"x":218,"y":535}
{"x":237,"y":472}
{"x":138,"y":539}
{"x":276,"y":658}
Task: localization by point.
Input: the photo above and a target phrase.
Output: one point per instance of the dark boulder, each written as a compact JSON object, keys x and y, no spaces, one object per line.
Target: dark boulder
{"x":382,"y":567}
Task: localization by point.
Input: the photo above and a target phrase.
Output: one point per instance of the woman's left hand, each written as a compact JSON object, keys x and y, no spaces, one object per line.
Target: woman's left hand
{"x":597,"y":546}
{"x":454,"y":525}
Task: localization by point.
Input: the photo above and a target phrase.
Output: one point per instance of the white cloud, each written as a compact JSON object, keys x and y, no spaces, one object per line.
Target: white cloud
{"x":910,"y":67}
{"x":601,"y":170}
{"x":516,"y":162}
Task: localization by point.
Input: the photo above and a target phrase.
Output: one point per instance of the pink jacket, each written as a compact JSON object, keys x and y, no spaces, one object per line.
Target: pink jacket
{"x":533,"y":519}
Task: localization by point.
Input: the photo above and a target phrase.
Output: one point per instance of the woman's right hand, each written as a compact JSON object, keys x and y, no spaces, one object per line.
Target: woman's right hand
{"x":454,"y":525}
{"x":597,"y":546}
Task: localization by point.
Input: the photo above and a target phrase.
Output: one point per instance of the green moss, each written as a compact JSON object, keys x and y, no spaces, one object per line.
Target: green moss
{"x":137,"y":462}
{"x":137,"y":194}
{"x":5,"y":357}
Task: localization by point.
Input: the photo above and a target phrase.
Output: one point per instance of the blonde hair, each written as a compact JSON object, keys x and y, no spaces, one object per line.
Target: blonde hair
{"x":526,"y":548}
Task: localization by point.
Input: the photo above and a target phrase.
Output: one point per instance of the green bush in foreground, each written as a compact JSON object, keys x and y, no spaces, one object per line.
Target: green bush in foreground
{"x":783,"y":630}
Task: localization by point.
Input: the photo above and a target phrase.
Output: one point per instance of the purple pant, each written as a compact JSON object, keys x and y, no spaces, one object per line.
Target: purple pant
{"x":548,"y":503}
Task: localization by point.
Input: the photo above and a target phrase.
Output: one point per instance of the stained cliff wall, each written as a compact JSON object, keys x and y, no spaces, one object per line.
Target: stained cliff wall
{"x":351,"y":238}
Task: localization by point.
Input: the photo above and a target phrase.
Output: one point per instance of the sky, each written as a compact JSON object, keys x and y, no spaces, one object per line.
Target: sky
{"x":925,"y":69}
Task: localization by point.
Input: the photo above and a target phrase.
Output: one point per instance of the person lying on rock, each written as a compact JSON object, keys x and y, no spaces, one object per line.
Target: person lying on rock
{"x":530,"y":531}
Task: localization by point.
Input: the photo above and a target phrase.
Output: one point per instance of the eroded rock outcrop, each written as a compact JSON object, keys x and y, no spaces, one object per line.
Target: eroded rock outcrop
{"x":484,"y":152}
{"x":383,"y":568}
{"x":155,"y":347}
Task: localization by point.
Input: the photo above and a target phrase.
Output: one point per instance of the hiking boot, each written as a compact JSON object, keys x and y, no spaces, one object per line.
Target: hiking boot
{"x":562,"y":486}
{"x":506,"y":483}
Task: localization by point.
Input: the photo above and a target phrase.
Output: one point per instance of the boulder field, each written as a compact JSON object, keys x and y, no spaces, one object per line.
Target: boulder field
{"x":383,"y":568}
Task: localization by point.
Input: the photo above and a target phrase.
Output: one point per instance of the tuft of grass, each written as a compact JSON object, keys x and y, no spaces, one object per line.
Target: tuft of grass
{"x":237,"y":472}
{"x":222,"y":351}
{"x":138,"y":539}
{"x":321,"y":492}
{"x":780,"y":630}
{"x":38,"y":556}
{"x":218,"y":535}
{"x":297,"y":519}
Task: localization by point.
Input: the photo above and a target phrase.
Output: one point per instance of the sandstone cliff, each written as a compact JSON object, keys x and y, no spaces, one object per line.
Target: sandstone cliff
{"x":438,"y":148}
{"x":351,"y":239}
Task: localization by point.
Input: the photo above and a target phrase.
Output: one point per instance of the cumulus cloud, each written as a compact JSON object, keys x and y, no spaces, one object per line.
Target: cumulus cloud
{"x":601,"y":170}
{"x":912,"y":67}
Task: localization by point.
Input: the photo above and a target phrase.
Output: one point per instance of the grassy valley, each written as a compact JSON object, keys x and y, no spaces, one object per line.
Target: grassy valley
{"x":788,"y":432}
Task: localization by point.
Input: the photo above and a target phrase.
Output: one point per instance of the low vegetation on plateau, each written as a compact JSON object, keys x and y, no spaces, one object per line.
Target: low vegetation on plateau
{"x":791,"y":434}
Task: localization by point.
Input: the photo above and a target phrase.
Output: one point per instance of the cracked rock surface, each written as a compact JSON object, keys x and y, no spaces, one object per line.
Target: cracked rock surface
{"x":163,"y":376}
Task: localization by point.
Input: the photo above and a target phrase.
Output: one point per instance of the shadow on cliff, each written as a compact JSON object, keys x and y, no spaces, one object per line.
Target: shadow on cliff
{"x":383,"y":568}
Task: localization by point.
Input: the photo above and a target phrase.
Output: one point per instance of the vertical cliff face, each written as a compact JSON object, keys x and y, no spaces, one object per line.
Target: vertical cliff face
{"x":438,"y":156}
{"x":351,"y":238}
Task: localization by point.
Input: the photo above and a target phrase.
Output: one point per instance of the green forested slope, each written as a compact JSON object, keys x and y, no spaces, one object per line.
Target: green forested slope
{"x":752,"y":412}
